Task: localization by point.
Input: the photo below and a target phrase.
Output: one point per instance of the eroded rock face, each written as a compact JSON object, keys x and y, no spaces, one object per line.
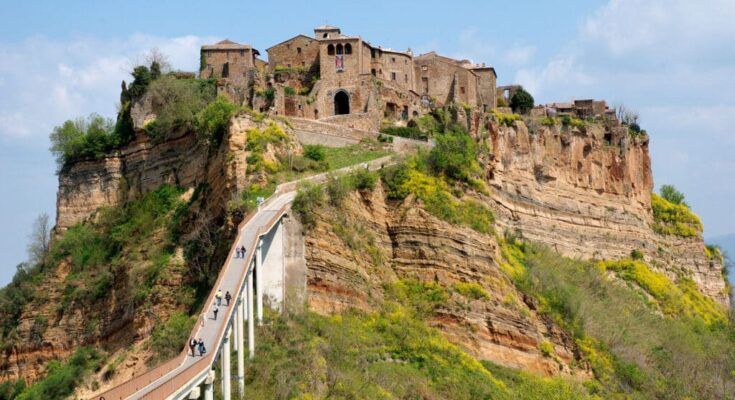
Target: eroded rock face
{"x":134,"y":170}
{"x":411,"y":243}
{"x":586,"y":193}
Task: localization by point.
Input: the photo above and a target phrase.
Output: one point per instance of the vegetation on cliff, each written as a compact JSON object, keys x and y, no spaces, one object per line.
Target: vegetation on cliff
{"x":634,"y":350}
{"x":386,"y":354}
{"x":672,"y":216}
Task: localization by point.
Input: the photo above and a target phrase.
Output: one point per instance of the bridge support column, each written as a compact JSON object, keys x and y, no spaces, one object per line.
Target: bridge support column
{"x":240,"y":348}
{"x":225,"y":354}
{"x":259,"y":280}
{"x":251,"y":318}
{"x":209,"y":387}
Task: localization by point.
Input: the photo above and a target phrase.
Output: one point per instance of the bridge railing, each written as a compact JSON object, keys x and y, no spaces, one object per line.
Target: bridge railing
{"x":127,"y":389}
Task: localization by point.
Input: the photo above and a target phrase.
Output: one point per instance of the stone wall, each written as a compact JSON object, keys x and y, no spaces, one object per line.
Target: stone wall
{"x":447,"y":81}
{"x":298,"y":52}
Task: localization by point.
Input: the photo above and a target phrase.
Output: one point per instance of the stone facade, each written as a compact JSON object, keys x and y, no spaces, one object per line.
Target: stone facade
{"x":332,"y":74}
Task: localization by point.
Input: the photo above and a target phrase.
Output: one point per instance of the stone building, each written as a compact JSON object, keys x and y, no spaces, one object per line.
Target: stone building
{"x":346,"y":80}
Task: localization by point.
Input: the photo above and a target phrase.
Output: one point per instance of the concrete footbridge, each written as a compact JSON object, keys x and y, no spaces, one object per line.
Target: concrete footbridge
{"x":260,"y":273}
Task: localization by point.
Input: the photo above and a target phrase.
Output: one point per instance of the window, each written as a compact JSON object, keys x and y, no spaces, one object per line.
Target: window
{"x":330,"y":50}
{"x":405,"y":62}
{"x":348,"y":48}
{"x":393,"y":59}
{"x":406,"y":78}
{"x":298,"y":50}
{"x":242,"y":53}
{"x":225,"y":70}
{"x":340,"y":49}
{"x":372,"y":53}
{"x":372,"y":71}
{"x":325,"y":35}
{"x":288,"y":46}
{"x":303,"y":63}
{"x":461,"y":89}
{"x":392,"y":76}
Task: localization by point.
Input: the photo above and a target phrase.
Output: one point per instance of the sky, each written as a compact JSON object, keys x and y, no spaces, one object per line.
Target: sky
{"x":673,"y":61}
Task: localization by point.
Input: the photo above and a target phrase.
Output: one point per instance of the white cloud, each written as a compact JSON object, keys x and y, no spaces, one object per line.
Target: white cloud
{"x":45,"y":81}
{"x":519,"y":55}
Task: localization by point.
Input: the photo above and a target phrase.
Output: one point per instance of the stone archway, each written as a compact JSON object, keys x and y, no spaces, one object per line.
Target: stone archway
{"x":341,"y":103}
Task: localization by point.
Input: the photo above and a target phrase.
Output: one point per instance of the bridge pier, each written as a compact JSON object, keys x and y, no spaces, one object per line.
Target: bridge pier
{"x":251,"y":318}
{"x":225,"y":354}
{"x":209,"y":387}
{"x":259,"y":280}
{"x":240,"y":347}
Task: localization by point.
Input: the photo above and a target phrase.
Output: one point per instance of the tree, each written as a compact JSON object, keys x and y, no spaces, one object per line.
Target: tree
{"x":670,"y":194}
{"x":141,"y":80}
{"x":39,"y":240}
{"x":157,"y":57}
{"x":522,"y":101}
{"x":626,"y":116}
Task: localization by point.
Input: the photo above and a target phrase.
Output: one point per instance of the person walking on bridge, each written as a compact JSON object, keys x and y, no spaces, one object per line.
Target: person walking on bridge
{"x":237,"y":252}
{"x":215,"y":311}
{"x":218,"y":296}
{"x":228,"y":297}
{"x":242,"y":251}
{"x":202,"y":349}
{"x":192,"y":346}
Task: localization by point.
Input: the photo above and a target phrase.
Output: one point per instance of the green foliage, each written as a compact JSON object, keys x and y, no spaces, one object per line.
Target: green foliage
{"x":307,"y":200}
{"x":315,"y":152}
{"x":289,"y":91}
{"x":634,"y":351}
{"x":170,"y":337}
{"x":636,"y":254}
{"x":522,"y":101}
{"x":405,"y":131}
{"x":9,"y":390}
{"x":213,"y":120}
{"x":202,"y":60}
{"x":674,"y":219}
{"x":62,"y":378}
{"x":90,"y":138}
{"x":472,"y":290}
{"x":454,"y":155}
{"x":337,"y":189}
{"x":673,"y":299}
{"x":363,"y":179}
{"x":546,"y":348}
{"x":394,"y":179}
{"x":568,"y":120}
{"x":176,"y":103}
{"x":258,"y":139}
{"x":528,"y":386}
{"x":141,"y":79}
{"x":269,"y":94}
{"x":713,"y":252}
{"x":505,"y":119}
{"x":673,"y":196}
{"x":549,"y":121}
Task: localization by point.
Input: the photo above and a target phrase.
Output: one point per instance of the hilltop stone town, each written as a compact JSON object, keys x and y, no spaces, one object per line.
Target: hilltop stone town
{"x":345,"y":80}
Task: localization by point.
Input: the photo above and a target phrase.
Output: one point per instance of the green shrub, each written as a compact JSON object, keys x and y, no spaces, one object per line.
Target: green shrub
{"x":289,"y":91}
{"x":337,"y":189}
{"x":636,"y":254}
{"x":546,"y":348}
{"x":472,"y":290}
{"x":568,"y":120}
{"x":176,"y":103}
{"x":307,"y":200}
{"x":454,"y":155}
{"x":315,"y":152}
{"x":673,"y":196}
{"x":549,"y":121}
{"x":394,"y":178}
{"x":62,"y":378}
{"x":170,"y":337}
{"x":522,"y":101}
{"x":674,"y":219}
{"x":212,"y":121}
{"x":363,"y":179}
{"x":505,"y":119}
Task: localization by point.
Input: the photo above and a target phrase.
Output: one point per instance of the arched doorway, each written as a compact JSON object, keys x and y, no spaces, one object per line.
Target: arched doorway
{"x":341,"y":103}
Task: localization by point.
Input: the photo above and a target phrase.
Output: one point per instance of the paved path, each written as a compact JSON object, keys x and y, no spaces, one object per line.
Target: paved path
{"x":232,"y":273}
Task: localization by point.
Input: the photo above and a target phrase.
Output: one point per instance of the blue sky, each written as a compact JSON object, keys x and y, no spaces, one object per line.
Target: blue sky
{"x":671,"y":60}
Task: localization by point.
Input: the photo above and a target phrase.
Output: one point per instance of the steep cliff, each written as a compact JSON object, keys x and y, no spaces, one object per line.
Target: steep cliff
{"x":586,"y":192}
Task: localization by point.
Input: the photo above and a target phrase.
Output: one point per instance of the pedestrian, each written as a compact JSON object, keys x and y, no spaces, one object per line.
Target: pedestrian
{"x":218,"y":296}
{"x":202,"y":349}
{"x":215,"y":311}
{"x":228,"y":297}
{"x":237,"y":252}
{"x":192,"y":345}
{"x":204,"y":317}
{"x":242,"y":250}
